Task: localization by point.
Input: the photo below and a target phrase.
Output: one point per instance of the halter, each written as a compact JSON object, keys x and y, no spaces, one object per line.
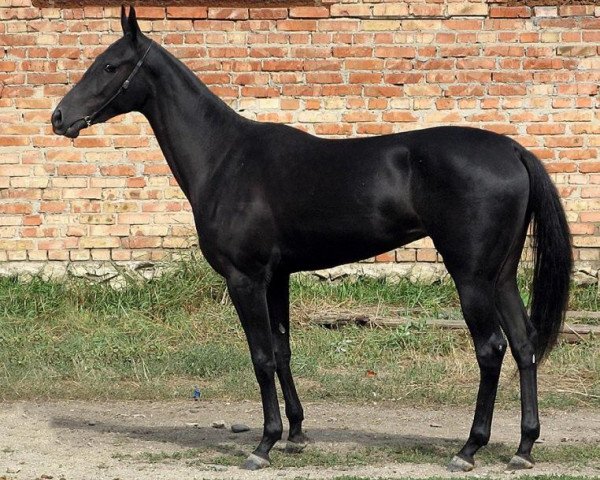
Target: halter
{"x":90,"y":118}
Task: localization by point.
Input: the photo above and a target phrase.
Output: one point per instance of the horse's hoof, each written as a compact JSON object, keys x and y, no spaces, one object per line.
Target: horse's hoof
{"x":254,"y":462}
{"x":295,"y":447}
{"x":458,"y":464}
{"x":519,"y":463}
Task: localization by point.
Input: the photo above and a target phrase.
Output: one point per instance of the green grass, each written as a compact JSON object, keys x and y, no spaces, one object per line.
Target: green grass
{"x":157,"y":339}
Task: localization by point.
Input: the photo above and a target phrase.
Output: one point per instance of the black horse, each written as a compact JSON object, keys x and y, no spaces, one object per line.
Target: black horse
{"x":269,"y":200}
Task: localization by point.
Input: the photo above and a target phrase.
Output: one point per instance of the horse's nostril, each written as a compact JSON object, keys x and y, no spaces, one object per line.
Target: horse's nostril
{"x":57,"y":118}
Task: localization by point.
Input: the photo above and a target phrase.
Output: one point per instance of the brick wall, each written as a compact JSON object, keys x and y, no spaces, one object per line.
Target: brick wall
{"x":345,"y":69}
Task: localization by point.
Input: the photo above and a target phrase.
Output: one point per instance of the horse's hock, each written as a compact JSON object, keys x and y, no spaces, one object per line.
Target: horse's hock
{"x":334,"y":68}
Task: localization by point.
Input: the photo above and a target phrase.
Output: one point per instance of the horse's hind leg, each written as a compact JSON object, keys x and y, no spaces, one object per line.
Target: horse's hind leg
{"x":249,"y":297}
{"x":477,"y":302}
{"x":279,"y":312}
{"x":521,"y":336}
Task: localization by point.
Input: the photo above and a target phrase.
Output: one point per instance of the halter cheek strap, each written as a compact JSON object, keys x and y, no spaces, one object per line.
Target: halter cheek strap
{"x":124,"y":86}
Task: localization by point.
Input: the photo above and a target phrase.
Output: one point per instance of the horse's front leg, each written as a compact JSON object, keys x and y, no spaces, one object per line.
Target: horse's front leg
{"x":250,"y":299}
{"x":278,"y":299}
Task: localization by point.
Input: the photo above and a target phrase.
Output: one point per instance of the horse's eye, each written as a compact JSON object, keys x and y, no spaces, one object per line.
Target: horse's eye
{"x":109,"y":68}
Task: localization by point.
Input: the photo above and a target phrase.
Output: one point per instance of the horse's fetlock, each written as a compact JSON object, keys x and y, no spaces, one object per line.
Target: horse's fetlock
{"x":294,"y":415}
{"x":531,"y":430}
{"x":480,"y":436}
{"x":274,"y":430}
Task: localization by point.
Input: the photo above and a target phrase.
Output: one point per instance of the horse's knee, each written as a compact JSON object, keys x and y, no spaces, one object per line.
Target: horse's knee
{"x":264,"y":366}
{"x":491,"y":352}
{"x":283,"y":358}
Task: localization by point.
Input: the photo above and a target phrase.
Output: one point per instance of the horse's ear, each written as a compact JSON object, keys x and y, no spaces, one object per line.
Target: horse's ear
{"x":129,"y":24}
{"x":124,"y":24}
{"x":134,"y":28}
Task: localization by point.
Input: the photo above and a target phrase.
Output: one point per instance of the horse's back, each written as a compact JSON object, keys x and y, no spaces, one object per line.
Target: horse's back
{"x":397,"y":172}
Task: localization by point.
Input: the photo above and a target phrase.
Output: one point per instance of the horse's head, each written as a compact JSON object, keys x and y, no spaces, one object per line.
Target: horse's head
{"x":108,"y":87}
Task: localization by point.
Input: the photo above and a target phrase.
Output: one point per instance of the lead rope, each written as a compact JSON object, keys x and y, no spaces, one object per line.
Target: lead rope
{"x":90,"y":118}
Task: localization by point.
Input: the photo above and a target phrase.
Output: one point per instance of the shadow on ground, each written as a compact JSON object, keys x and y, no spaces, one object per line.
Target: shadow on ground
{"x":427,"y":448}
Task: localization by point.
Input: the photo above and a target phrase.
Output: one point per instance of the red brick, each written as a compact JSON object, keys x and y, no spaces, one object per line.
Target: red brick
{"x":297,"y":25}
{"x":506,"y":90}
{"x":373,"y":129}
{"x":310,"y":65}
{"x":383,"y":91}
{"x":268,"y":13}
{"x":76,"y":169}
{"x":363,"y":64}
{"x":281,"y":65}
{"x":386,"y":257}
{"x":561,"y":167}
{"x":589,"y":167}
{"x":333,"y":129}
{"x":399,"y":52}
{"x":562,"y":141}
{"x":58,"y":52}
{"x":353,"y":51}
{"x":309,"y":12}
{"x":359,"y":116}
{"x":399,"y":116}
{"x":364,"y":77}
{"x":150,"y":12}
{"x":8,"y":141}
{"x":118,"y":170}
{"x":187,"y":12}
{"x":510,"y":12}
{"x":546,"y":129}
{"x":349,"y":10}
{"x":228,"y":13}
{"x":15,"y":208}
{"x":575,"y":10}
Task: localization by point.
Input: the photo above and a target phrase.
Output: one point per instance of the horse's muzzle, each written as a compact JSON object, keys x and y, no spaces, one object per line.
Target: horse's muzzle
{"x":70,"y":131}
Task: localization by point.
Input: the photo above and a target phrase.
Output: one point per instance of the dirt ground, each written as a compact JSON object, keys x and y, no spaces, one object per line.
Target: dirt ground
{"x":77,"y":440}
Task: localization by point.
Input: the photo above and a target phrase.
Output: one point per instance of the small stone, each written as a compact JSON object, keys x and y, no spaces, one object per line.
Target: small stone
{"x":91,"y":423}
{"x":46,"y":476}
{"x":13,"y":470}
{"x":435,"y":425}
{"x":239,"y":428}
{"x":194,"y":425}
{"x":218,"y":424}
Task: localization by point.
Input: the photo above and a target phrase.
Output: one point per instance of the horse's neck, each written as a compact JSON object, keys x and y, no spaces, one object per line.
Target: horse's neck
{"x":194,"y":128}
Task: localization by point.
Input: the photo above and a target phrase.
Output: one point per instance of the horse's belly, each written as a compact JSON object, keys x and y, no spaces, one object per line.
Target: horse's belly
{"x":341,"y":241}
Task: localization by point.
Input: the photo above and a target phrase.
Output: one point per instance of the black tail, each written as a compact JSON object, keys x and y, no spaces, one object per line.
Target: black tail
{"x":553,"y":256}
